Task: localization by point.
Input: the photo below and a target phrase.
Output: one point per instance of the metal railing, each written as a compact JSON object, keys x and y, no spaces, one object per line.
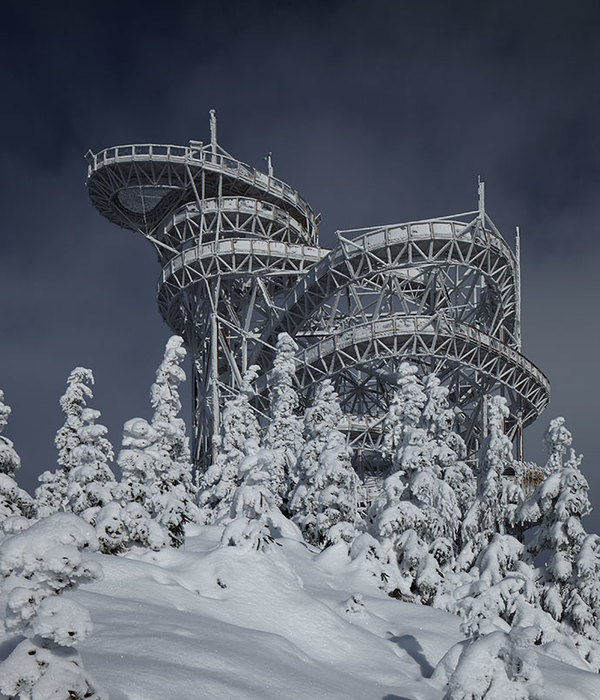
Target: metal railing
{"x":242,"y":205}
{"x":198,"y":156}
{"x":414,"y":325}
{"x":240,"y":246}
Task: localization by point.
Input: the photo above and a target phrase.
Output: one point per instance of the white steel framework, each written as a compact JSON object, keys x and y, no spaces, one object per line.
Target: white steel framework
{"x":241,"y":263}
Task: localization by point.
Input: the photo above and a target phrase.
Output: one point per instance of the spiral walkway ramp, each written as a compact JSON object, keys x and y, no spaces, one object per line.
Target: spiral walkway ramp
{"x":241,"y":263}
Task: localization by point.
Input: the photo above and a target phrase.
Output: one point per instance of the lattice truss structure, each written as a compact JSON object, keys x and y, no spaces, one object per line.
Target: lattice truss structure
{"x":241,"y":263}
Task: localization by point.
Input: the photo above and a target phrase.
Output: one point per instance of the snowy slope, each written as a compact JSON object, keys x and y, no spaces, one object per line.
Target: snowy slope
{"x":212,"y":622}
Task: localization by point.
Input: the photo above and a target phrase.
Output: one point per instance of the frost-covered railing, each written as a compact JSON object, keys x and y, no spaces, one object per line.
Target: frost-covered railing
{"x":369,"y":252}
{"x":352,"y":422}
{"x":195,"y":156}
{"x":243,"y":205}
{"x":446,"y":228}
{"x":239,"y":246}
{"x":399,"y":325}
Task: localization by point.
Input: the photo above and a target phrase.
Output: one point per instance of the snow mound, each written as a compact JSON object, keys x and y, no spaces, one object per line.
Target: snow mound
{"x":212,"y":621}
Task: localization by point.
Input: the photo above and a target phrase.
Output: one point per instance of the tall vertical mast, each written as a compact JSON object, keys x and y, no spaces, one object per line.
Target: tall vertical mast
{"x":213,"y":131}
{"x":481,"y":197}
{"x":518,"y":289}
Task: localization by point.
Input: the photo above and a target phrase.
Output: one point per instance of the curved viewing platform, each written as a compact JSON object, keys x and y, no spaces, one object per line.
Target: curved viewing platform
{"x":369,"y":343}
{"x":441,"y":242}
{"x":136,"y":186}
{"x":228,"y":217}
{"x":233,"y":258}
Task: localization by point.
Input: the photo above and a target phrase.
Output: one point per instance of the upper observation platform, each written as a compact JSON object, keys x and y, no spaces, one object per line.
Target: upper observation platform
{"x":138,"y":186}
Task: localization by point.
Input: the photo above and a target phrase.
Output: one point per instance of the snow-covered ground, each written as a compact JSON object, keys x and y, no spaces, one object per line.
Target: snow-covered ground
{"x":207,"y":621}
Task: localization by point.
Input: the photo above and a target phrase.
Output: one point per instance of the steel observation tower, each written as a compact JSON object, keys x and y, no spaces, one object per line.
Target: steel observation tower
{"x":241,"y":263}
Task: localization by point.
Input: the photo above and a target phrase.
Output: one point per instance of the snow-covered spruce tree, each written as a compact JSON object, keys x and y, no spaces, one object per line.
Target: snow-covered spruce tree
{"x":498,"y":495}
{"x":405,"y":409}
{"x":36,"y":565}
{"x":83,"y":479}
{"x":448,"y":447}
{"x":283,"y":435}
{"x":128,"y":519}
{"x":254,"y":513}
{"x":567,"y":556}
{"x":239,"y":438}
{"x":13,"y":500}
{"x":417,"y":514}
{"x":499,"y":585}
{"x":172,"y":492}
{"x":324,"y":503}
{"x":90,"y":481}
{"x":492,"y":585}
{"x":156,"y":494}
{"x":51,"y":495}
{"x":497,"y":665}
{"x":497,"y":592}
{"x":557,"y":440}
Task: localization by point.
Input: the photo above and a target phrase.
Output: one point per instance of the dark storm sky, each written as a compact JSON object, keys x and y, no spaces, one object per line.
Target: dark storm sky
{"x":377,"y":112}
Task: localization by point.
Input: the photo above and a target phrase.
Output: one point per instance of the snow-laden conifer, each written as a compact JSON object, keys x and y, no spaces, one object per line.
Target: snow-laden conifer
{"x":557,"y":440}
{"x":254,"y":513}
{"x":90,"y":481}
{"x":283,"y":435}
{"x":417,"y":512}
{"x":172,"y":492}
{"x":14,"y":501}
{"x":156,"y":493}
{"x":36,"y":565}
{"x":567,"y":556}
{"x":324,"y":503}
{"x":497,"y":592}
{"x":449,"y":449}
{"x":496,"y":665}
{"x":128,"y":520}
{"x":51,"y":495}
{"x":498,"y":494}
{"x":239,"y":437}
{"x":405,"y":409}
{"x":84,"y":479}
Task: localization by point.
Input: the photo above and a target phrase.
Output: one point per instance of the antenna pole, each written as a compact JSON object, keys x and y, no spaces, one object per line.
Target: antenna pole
{"x":481,"y":196}
{"x":518,"y":289}
{"x":213,"y":131}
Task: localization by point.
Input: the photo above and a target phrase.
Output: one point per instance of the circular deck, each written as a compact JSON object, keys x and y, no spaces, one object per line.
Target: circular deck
{"x":137,"y":186}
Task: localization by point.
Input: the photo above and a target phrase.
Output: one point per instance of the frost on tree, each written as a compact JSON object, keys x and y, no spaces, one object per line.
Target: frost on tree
{"x":84,"y":481}
{"x":493,"y":585}
{"x":13,"y":500}
{"x":156,"y":494}
{"x":557,"y":440}
{"x":417,"y":513}
{"x":405,"y":409}
{"x":91,"y":482}
{"x":497,"y":592}
{"x":36,"y":566}
{"x":172,"y":492}
{"x":128,"y":519}
{"x":497,"y":665}
{"x":238,"y":439}
{"x":254,"y":513}
{"x":325,"y":501}
{"x":498,"y":494}
{"x":567,"y":556}
{"x":283,"y":435}
{"x":449,"y":449}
